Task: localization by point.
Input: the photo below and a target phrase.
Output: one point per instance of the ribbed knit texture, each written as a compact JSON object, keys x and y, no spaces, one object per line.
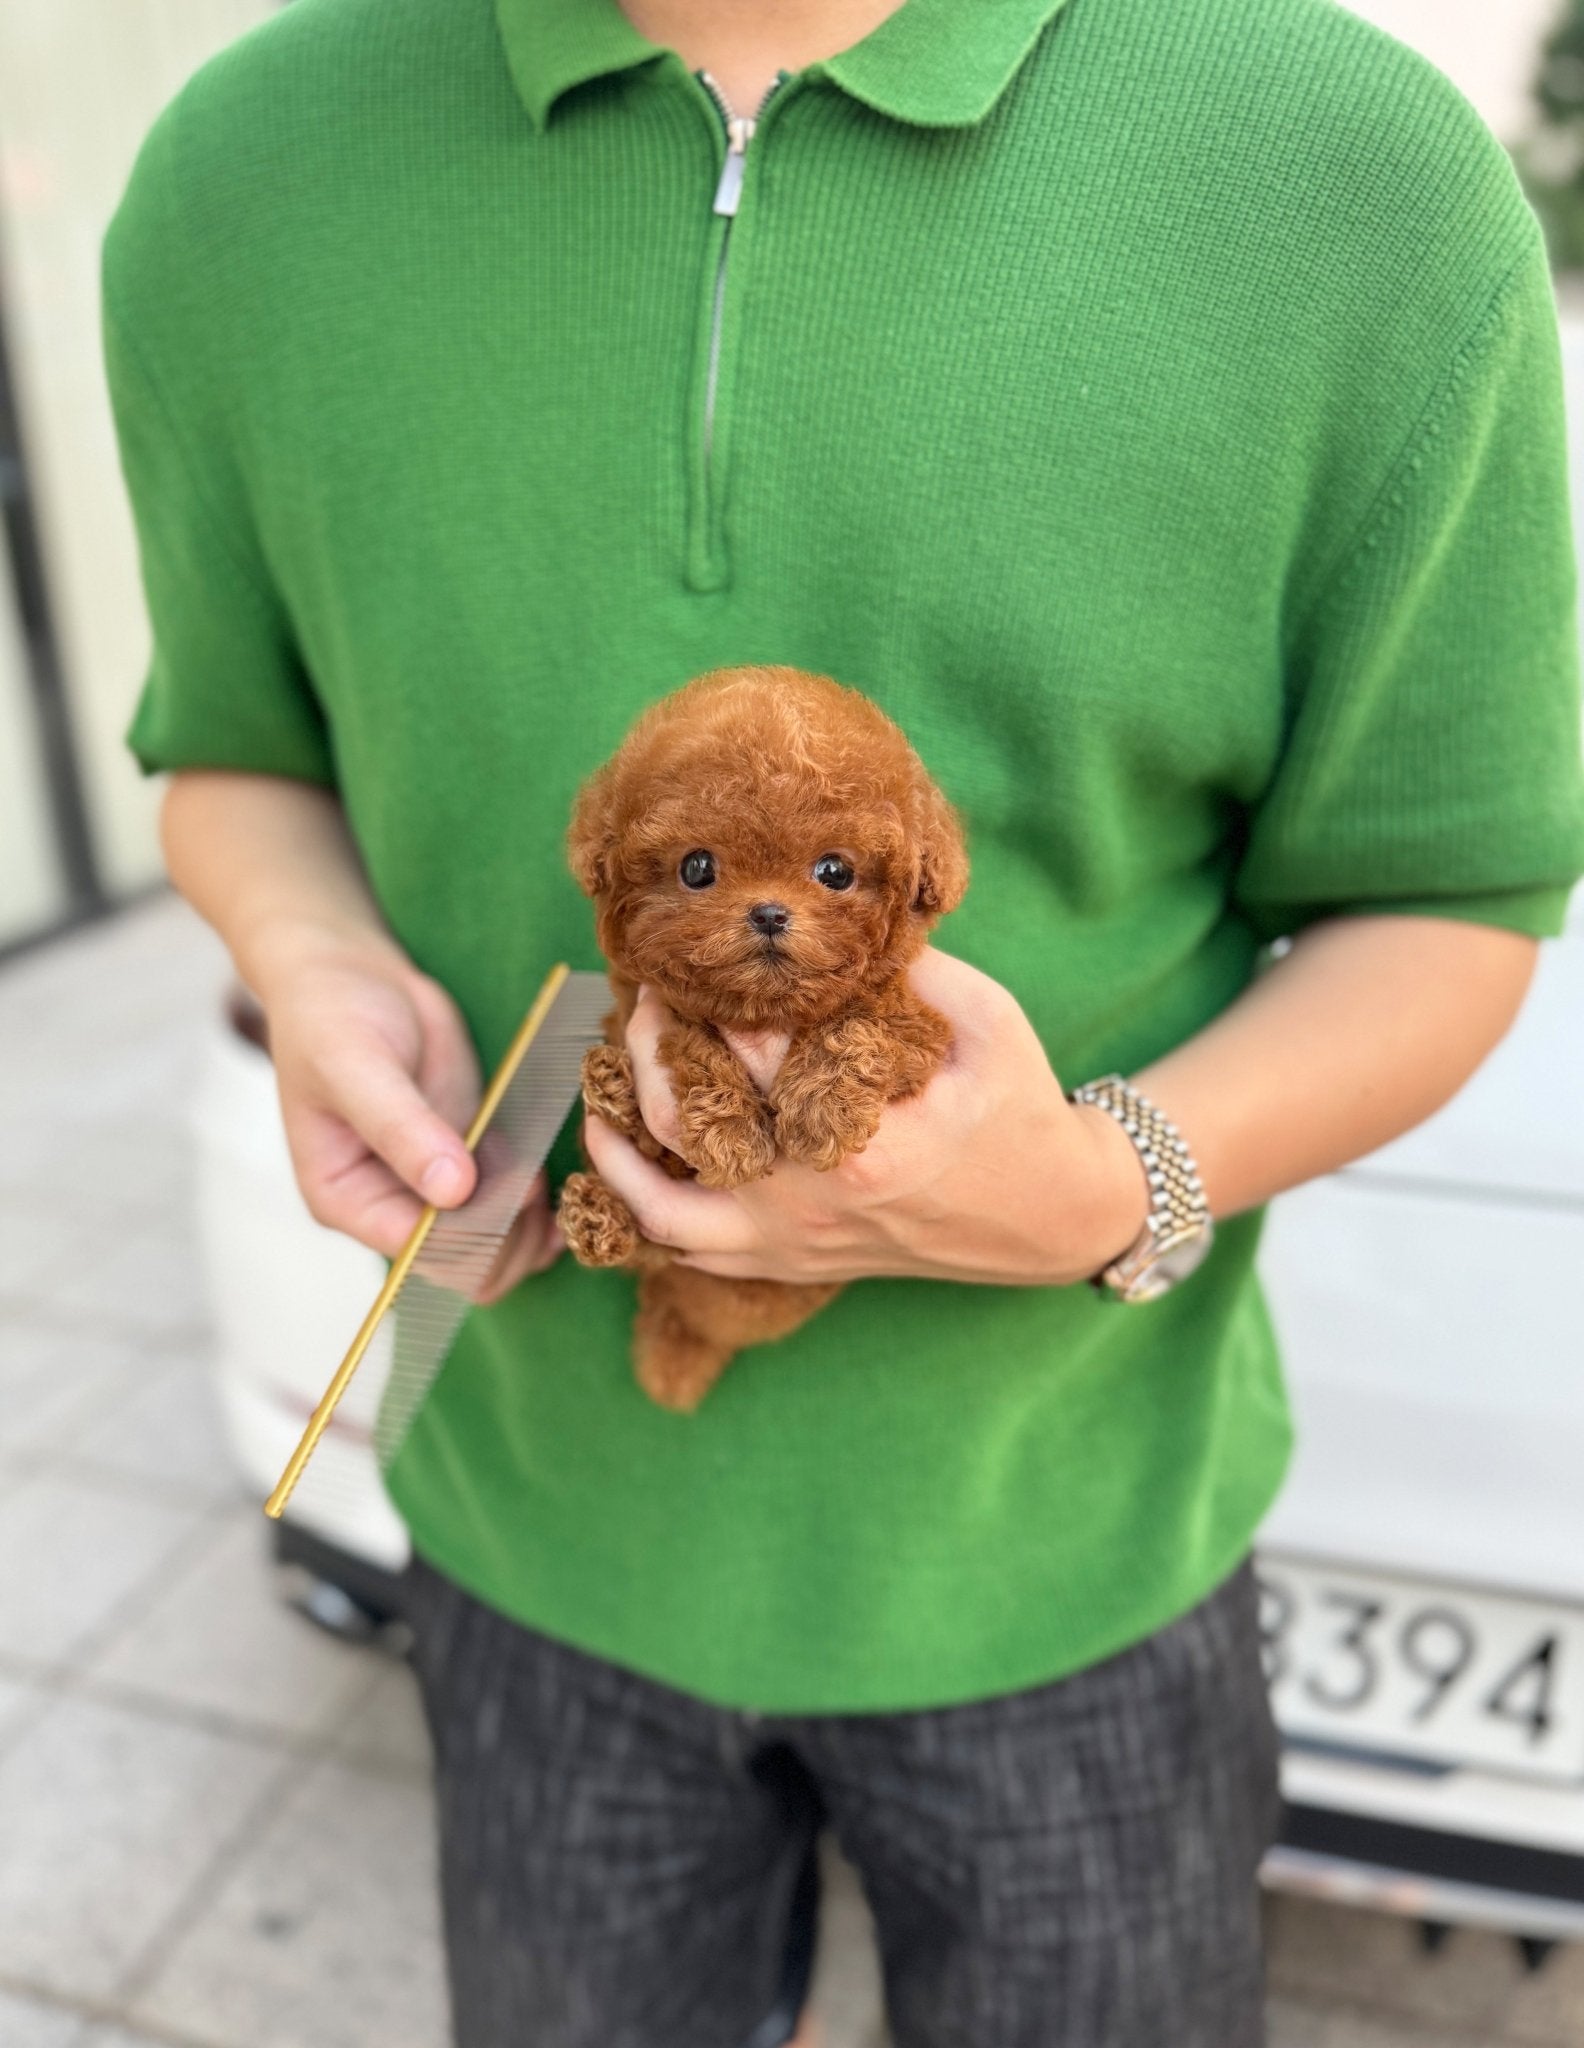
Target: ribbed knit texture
{"x":1172,"y":443}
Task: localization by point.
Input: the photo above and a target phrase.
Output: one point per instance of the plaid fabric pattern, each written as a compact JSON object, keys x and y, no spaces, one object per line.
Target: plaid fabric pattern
{"x":1072,"y":1866}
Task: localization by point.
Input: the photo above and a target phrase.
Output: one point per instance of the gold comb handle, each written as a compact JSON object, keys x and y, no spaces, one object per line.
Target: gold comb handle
{"x":402,"y":1265}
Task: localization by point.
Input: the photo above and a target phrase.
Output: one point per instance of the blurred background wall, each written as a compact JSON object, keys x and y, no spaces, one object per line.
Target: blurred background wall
{"x":80,"y":81}
{"x":1487,"y":47}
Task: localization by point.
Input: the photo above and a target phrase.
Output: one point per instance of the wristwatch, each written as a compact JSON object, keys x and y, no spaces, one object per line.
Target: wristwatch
{"x":1178,"y":1231}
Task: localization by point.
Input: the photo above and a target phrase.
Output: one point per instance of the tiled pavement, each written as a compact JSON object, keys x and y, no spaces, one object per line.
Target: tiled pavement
{"x":214,"y":1821}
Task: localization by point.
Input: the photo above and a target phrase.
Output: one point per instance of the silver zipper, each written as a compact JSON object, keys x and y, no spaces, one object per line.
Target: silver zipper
{"x":739,"y":133}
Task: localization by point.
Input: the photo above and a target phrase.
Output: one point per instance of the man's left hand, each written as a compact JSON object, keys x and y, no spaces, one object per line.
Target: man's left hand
{"x":988,"y":1175}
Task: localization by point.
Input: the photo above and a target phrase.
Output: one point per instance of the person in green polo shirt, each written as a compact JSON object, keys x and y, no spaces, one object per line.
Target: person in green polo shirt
{"x":1157,"y":410}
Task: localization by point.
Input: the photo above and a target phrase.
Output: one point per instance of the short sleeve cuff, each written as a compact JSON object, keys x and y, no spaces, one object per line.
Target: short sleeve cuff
{"x":227,"y":685}
{"x":164,"y":739}
{"x":1538,"y":913}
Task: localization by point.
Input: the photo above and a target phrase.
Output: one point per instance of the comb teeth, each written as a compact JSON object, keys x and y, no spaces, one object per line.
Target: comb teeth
{"x":464,"y":1243}
{"x":525,"y":1105}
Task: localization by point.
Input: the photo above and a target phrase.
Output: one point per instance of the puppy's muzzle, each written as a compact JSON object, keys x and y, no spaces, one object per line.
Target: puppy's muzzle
{"x":770,"y":920}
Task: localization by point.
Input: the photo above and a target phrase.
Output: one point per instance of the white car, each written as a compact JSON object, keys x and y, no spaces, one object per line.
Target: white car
{"x":1425,"y":1563}
{"x":287,"y":1296}
{"x":1424,"y":1566}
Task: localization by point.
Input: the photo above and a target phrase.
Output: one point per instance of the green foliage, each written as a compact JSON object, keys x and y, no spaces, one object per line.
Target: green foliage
{"x":1551,"y":162}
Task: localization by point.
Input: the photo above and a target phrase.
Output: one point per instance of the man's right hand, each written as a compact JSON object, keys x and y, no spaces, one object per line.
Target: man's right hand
{"x":377,"y":1077}
{"x":376,"y":1071}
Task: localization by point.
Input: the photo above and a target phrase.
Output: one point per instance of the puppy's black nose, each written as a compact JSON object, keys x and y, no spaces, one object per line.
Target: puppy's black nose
{"x":770,"y":918}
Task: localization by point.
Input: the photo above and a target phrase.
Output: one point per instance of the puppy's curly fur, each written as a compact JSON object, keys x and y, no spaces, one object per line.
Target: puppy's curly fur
{"x":766,"y":852}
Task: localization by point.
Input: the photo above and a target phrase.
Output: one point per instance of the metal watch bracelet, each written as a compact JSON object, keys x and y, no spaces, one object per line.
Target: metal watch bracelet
{"x":1178,"y":1230}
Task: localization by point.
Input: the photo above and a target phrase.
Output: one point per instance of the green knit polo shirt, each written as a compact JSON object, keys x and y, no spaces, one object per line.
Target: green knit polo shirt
{"x":1155,"y":405}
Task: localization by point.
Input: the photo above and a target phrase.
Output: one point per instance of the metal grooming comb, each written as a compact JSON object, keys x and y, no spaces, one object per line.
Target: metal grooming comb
{"x":451,"y":1251}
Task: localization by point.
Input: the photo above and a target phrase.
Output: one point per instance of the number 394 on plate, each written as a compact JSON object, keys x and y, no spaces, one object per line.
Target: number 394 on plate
{"x":1440,"y":1673}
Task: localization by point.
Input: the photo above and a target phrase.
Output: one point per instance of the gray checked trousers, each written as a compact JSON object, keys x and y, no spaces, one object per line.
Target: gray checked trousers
{"x":1071,"y":1866}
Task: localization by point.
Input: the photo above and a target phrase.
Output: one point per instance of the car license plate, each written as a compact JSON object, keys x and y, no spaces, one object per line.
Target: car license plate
{"x":1439,"y":1673}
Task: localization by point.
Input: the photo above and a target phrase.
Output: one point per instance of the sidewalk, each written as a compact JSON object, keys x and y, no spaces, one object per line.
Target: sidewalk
{"x":215,"y":1826}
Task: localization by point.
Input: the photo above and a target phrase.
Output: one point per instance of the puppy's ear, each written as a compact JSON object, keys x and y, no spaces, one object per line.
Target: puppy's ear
{"x":943,"y":857}
{"x":591,"y":837}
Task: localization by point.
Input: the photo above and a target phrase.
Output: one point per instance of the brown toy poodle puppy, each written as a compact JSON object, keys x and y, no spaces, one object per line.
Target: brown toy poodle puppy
{"x":766,"y":852}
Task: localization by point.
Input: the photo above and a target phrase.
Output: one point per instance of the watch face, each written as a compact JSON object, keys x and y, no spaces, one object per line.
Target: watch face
{"x":1174,"y":1262}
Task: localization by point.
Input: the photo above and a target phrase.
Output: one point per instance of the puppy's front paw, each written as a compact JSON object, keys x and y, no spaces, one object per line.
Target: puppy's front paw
{"x":597,"y":1224}
{"x":724,"y":1136}
{"x":608,"y":1090}
{"x":821,"y":1120}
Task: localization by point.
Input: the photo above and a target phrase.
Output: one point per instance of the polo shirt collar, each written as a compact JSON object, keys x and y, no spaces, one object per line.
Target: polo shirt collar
{"x":937,"y":63}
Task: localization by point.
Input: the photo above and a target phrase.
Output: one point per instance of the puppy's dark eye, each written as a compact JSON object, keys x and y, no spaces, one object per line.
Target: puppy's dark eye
{"x":832,"y":872}
{"x":697,"y":869}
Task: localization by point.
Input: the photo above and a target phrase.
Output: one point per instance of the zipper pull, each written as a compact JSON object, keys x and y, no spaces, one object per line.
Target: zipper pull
{"x":739,"y":130}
